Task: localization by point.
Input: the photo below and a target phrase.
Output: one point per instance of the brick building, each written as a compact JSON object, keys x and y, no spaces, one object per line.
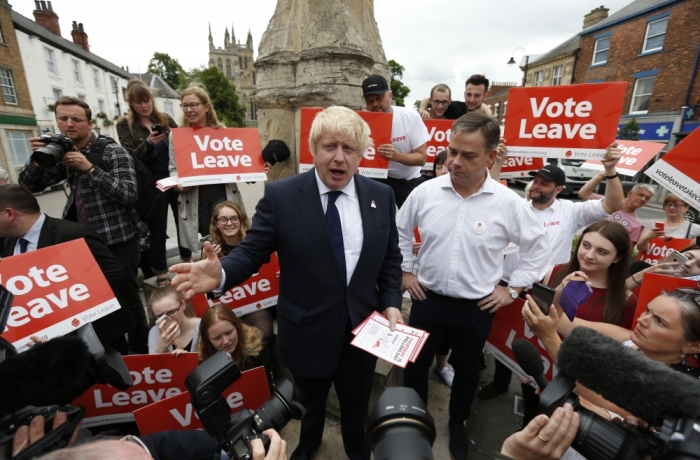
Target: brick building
{"x":17,"y":119}
{"x":497,"y":100}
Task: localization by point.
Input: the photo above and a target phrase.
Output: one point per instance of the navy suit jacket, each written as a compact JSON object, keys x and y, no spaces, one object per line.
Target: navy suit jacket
{"x":316,"y":305}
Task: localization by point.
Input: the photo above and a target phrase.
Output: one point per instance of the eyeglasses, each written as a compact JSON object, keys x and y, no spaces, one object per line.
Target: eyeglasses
{"x":440,"y":102}
{"x":226,"y":220}
{"x":174,"y":311}
{"x":132,"y":438}
{"x":192,"y":106}
{"x":675,"y":205}
{"x":73,"y":119}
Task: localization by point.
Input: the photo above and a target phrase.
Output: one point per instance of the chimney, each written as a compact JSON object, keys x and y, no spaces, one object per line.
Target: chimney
{"x":80,"y":38}
{"x":44,"y":15}
{"x":595,"y":16}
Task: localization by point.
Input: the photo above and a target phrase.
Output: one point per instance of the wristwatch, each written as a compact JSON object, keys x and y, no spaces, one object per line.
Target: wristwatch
{"x":513,"y":293}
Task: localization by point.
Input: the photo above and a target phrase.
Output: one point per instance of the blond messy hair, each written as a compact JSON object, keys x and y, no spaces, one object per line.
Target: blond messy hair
{"x":340,"y":121}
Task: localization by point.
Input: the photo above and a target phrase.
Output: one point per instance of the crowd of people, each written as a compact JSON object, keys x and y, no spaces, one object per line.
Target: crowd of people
{"x":346,"y":248}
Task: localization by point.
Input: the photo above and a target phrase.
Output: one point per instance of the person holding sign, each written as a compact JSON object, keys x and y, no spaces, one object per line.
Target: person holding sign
{"x":335,"y":236}
{"x":407,"y":152}
{"x":177,"y":329}
{"x":674,"y":226}
{"x":690,"y":269}
{"x":196,"y":204}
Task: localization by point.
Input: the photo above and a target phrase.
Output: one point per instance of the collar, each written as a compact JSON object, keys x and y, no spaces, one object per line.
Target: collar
{"x":33,"y":233}
{"x":90,"y":142}
{"x":489,"y":185}
{"x":554,"y":206}
{"x":348,"y":190}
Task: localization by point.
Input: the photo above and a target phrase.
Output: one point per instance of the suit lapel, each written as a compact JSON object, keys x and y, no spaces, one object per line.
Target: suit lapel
{"x":311,"y":210}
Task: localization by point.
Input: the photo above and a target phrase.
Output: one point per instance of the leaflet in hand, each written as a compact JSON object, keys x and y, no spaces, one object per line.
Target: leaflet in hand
{"x":168,"y":182}
{"x":397,"y":347}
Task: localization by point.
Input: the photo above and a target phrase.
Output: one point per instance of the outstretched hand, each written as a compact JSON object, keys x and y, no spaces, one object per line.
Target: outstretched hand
{"x":199,"y":277}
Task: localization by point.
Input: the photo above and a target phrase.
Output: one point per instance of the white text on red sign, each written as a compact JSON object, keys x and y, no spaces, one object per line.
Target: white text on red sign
{"x":568,"y":109}
{"x":217,"y":145}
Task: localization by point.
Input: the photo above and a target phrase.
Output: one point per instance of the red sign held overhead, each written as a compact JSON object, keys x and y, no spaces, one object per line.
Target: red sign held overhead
{"x":634,"y":155}
{"x":57,"y":289}
{"x":372,"y":164}
{"x":218,"y":155}
{"x":571,"y":121}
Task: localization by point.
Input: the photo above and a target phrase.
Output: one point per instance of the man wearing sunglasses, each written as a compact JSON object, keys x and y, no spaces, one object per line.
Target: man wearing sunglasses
{"x":101,"y":197}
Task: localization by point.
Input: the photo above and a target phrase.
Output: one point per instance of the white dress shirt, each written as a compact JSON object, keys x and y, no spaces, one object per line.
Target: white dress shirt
{"x":463,"y":238}
{"x":32,"y":236}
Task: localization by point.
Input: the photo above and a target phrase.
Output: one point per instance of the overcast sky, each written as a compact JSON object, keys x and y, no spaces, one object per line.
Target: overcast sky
{"x":438,"y":41}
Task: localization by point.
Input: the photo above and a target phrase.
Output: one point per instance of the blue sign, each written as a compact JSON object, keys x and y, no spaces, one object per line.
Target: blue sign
{"x":653,"y":131}
{"x":689,"y":113}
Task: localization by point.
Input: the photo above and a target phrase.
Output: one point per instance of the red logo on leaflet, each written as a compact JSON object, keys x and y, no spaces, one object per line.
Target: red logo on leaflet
{"x":568,"y":153}
{"x":258,"y":305}
{"x":75,"y":322}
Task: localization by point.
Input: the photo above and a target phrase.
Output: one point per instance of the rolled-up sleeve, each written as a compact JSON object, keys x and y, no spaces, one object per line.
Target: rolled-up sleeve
{"x":534,"y":250}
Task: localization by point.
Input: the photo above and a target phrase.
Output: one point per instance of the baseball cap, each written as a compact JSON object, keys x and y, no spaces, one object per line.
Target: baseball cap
{"x":374,"y":84}
{"x":552,"y":173}
{"x":275,"y":151}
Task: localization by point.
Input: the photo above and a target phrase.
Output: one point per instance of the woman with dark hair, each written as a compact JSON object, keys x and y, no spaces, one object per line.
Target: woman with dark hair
{"x":136,"y":132}
{"x":220,"y":329}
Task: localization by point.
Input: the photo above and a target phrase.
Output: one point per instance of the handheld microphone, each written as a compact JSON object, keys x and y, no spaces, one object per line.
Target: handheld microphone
{"x":646,"y":388}
{"x":530,"y":361}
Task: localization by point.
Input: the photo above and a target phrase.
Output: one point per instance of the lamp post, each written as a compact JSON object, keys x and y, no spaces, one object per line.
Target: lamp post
{"x":511,"y":62}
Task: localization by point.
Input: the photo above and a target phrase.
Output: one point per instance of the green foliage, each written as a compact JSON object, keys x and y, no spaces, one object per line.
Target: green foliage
{"x":191,"y":76}
{"x":399,"y":90}
{"x":630,"y":132}
{"x":223,"y":97}
{"x":168,"y":68}
{"x":416,"y":104}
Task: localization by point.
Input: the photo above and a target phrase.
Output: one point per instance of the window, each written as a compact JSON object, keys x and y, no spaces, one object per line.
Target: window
{"x":654,"y":39}
{"x":50,"y":60}
{"x":2,"y":40}
{"x":98,"y":80}
{"x":168,"y":107}
{"x":495,"y":109}
{"x":254,"y":79}
{"x":600,"y":52}
{"x":228,"y":67}
{"x":116,"y":112}
{"x":9,"y":95}
{"x":642,"y":94}
{"x":505,"y":106}
{"x":82,"y":97}
{"x":77,"y":76}
{"x":253,"y":111}
{"x":102,"y":106}
{"x":556,"y":75}
{"x":57,"y":94}
{"x":219,"y":65}
{"x":19,"y":146}
{"x":115,"y":86}
{"x":539,"y":77}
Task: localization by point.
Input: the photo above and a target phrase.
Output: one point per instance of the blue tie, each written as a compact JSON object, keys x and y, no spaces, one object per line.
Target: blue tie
{"x":23,"y":245}
{"x":335,"y":229}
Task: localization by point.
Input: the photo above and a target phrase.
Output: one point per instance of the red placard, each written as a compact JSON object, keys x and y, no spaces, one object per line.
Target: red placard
{"x":570,"y":121}
{"x":156,"y":377}
{"x":257,"y":292}
{"x":653,"y":285}
{"x":520,"y":166}
{"x":177,"y":413}
{"x":372,"y":164}
{"x":659,"y":248}
{"x":218,"y":155}
{"x":634,"y":155}
{"x":439,"y":131}
{"x":508,"y":325}
{"x":57,"y":289}
{"x":678,"y":170}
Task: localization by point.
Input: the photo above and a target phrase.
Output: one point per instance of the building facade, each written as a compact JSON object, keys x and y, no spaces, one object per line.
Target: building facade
{"x":236,"y":62}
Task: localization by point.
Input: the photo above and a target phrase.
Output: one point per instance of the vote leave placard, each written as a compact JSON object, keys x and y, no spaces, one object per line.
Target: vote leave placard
{"x":570,"y":121}
{"x":659,"y":248}
{"x":519,"y":166}
{"x":508,"y":325}
{"x":218,"y":156}
{"x":633,"y":156}
{"x":257,"y":292}
{"x":653,"y":285}
{"x":678,"y":170}
{"x":372,"y":164}
{"x":57,"y":289}
{"x":439,"y":131}
{"x":155,"y":377}
{"x":177,"y":413}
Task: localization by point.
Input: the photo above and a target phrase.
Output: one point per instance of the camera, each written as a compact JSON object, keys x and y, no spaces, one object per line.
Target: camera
{"x":234,"y":433}
{"x":56,"y":146}
{"x":158,"y":129}
{"x":401,"y":426}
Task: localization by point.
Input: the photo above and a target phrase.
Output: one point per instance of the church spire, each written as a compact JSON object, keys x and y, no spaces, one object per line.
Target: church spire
{"x":249,"y":41}
{"x":227,"y":39}
{"x":233,"y":35}
{"x":211,"y":39}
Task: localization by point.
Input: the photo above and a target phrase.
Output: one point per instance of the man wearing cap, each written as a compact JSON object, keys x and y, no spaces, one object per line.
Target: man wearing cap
{"x":407,"y":152}
{"x":561,"y":219}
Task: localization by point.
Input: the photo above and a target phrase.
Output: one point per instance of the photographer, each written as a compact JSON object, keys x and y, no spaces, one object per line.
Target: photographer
{"x":102,"y":199}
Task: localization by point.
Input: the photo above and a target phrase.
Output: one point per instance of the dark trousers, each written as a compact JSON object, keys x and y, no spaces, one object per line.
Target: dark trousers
{"x":353,"y":384}
{"x":127,"y":253}
{"x":501,"y":375}
{"x":158,"y":229}
{"x":402,"y":187}
{"x":465,"y":327}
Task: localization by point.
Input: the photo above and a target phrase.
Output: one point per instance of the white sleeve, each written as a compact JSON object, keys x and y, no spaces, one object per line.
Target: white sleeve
{"x":534,"y":251}
{"x":405,"y":223}
{"x":588,"y":212}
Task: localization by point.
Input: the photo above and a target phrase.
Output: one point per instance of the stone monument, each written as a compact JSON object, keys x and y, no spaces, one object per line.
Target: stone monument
{"x":314,"y":53}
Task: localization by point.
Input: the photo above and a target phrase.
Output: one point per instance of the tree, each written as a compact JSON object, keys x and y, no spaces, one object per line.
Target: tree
{"x":190,"y":76}
{"x":630,"y":132}
{"x":168,"y":68}
{"x":223,"y":97}
{"x":399,"y":90}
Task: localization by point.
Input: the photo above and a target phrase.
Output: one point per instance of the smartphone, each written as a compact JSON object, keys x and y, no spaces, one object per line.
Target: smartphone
{"x":659,"y":226}
{"x":158,"y":129}
{"x":207,"y":238}
{"x":576,"y":292}
{"x":676,"y":257}
{"x":165,"y":318}
{"x":543,"y":296}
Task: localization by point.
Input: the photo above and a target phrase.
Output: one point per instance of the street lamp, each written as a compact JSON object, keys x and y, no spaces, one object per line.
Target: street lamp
{"x":511,"y":62}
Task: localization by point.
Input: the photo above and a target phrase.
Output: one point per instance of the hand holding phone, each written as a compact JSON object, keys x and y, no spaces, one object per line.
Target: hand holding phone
{"x":167,"y":322}
{"x":675,"y":259}
{"x":543,"y":296}
{"x":158,"y":129}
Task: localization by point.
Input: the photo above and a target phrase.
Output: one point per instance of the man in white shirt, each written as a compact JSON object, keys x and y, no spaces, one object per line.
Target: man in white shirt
{"x":465,"y":220}
{"x":407,"y":152}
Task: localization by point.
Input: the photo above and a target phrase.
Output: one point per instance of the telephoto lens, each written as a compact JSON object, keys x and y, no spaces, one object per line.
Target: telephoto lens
{"x":401,"y":427}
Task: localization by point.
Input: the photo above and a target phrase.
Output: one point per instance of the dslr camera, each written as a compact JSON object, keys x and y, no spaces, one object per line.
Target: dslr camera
{"x":234,"y":433}
{"x":56,"y":146}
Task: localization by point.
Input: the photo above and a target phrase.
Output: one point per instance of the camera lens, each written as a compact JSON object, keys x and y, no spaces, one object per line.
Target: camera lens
{"x":277,"y":411}
{"x":48,"y":155}
{"x":601,"y":439}
{"x":401,"y":426}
